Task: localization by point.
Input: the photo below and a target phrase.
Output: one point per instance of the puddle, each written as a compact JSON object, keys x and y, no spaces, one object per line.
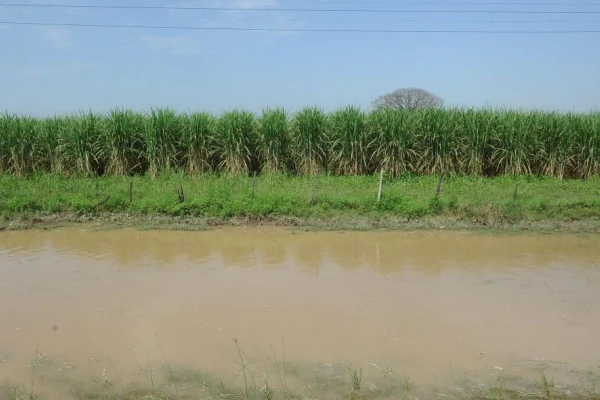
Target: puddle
{"x":90,"y":304}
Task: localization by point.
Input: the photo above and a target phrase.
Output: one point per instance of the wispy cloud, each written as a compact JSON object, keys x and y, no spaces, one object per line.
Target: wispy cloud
{"x":47,"y":71}
{"x":174,"y":44}
{"x":36,"y":71}
{"x":57,"y":37}
{"x":249,"y":4}
{"x":27,"y":11}
{"x":246,"y":15}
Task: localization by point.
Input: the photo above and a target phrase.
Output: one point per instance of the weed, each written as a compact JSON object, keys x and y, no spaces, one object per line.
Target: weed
{"x":407,"y":383}
{"x":355,"y":378}
{"x":547,"y":386}
{"x":267,"y":390}
{"x":19,"y":393}
{"x":243,"y":365}
{"x":171,"y":373}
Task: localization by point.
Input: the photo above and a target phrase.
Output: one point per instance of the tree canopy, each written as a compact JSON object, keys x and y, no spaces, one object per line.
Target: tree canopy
{"x":410,"y":99}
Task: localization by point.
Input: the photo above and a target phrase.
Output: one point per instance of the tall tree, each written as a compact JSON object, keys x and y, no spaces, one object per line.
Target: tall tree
{"x":410,"y":99}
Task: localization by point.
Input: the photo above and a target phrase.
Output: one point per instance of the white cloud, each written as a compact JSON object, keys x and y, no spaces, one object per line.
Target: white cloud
{"x":255,"y":14}
{"x":36,"y":71}
{"x":244,"y":15}
{"x":179,"y":44}
{"x":58,"y":37}
{"x":46,"y":71}
{"x":53,"y":36}
{"x":249,"y":4}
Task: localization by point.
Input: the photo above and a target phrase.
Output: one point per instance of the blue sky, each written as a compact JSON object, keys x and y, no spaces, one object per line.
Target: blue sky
{"x":50,"y":69}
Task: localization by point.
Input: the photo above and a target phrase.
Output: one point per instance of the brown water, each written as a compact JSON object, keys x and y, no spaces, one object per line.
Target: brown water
{"x":433,"y":305}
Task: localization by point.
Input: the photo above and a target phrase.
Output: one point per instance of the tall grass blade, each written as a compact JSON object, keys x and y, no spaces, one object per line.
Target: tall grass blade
{"x":273,"y":139}
{"x":235,"y":144}
{"x":309,"y":140}
{"x":350,"y":142}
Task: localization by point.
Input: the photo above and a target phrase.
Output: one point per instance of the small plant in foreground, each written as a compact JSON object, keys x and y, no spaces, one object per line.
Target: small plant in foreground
{"x":547,"y":385}
{"x":355,"y":378}
{"x":407,"y":383}
{"x":18,"y":393}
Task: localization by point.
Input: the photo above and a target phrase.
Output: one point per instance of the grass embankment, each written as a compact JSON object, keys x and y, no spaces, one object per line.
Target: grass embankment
{"x":341,"y":202}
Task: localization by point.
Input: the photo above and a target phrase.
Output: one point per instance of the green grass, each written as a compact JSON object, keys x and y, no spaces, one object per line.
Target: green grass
{"x":235,"y":142}
{"x":121,"y":151}
{"x":310,"y":140}
{"x":331,"y":384}
{"x":348,"y":141}
{"x":274,"y":139}
{"x":466,"y":200}
{"x":256,"y":377}
{"x":394,"y":148}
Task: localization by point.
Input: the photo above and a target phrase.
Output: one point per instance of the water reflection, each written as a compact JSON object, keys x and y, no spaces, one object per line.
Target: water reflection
{"x":386,"y":252}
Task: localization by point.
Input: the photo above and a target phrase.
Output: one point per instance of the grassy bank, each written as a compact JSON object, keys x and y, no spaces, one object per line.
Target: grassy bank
{"x":337,"y":202}
{"x":271,"y":377}
{"x":348,"y":141}
{"x":283,"y":381}
{"x":195,"y":385}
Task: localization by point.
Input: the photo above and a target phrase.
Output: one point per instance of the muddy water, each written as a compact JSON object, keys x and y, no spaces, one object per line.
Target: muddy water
{"x":430,"y":304}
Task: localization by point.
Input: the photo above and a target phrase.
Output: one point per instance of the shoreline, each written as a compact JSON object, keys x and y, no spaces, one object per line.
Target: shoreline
{"x":282,"y":381}
{"x":347,"y":223}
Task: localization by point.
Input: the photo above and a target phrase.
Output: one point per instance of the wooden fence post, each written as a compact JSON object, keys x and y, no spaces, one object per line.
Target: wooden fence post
{"x":180,"y":194}
{"x":380,"y":185}
{"x":440,"y":184}
{"x":131,"y":191}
